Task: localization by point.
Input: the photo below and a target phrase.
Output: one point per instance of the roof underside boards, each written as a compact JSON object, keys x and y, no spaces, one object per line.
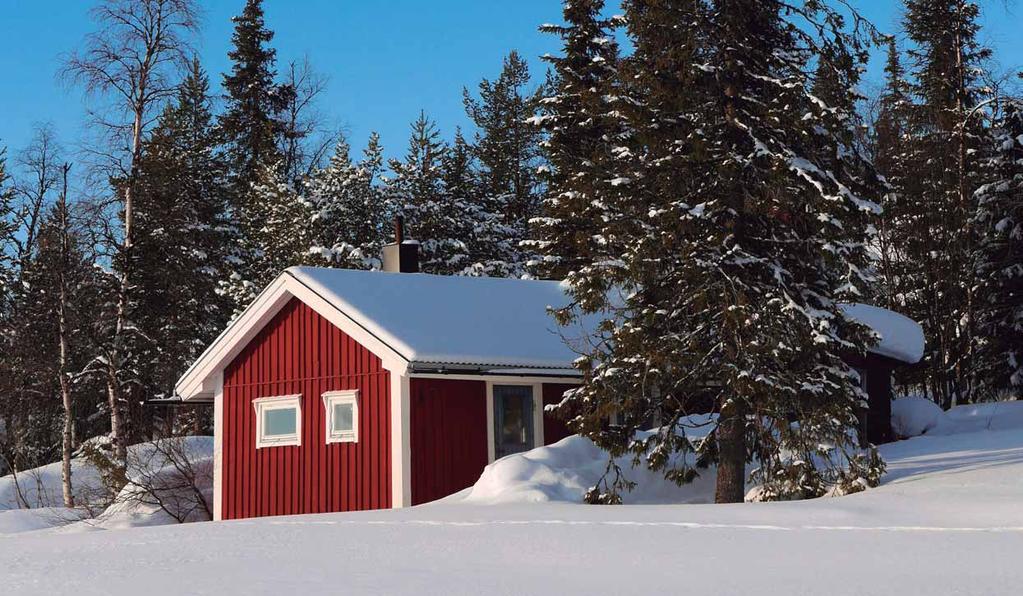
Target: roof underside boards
{"x":431,"y":319}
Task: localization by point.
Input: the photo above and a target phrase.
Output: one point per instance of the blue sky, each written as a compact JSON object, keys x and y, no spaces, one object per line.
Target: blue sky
{"x":386,"y":59}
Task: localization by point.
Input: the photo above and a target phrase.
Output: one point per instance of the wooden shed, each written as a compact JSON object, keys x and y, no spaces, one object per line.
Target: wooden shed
{"x":340,"y":390}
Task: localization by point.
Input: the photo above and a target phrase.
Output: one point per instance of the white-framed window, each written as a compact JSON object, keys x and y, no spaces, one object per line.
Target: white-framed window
{"x":278,"y":421}
{"x":342,"y":416}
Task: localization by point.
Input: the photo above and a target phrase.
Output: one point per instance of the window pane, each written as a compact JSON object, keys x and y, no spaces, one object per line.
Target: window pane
{"x":279,"y":422}
{"x":513,"y":419}
{"x":343,"y":418}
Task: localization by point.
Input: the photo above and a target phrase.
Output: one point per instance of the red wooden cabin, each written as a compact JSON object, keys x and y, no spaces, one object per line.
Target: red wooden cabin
{"x":340,"y":390}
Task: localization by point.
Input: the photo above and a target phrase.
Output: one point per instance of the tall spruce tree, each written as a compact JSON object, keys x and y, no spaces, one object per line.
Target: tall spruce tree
{"x":582,"y":135}
{"x":999,"y":222}
{"x":937,"y":201}
{"x":264,"y":195}
{"x":891,"y":132}
{"x":439,"y":218}
{"x":348,"y":209}
{"x":251,"y":122}
{"x":508,"y":150}
{"x":187,"y":238}
{"x":749,"y":207}
{"x":7,"y":229}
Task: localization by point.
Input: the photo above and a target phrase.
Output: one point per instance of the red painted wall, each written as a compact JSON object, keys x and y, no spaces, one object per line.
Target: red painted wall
{"x":448,"y":423}
{"x":449,"y":436}
{"x":553,"y":428}
{"x":301,"y":352}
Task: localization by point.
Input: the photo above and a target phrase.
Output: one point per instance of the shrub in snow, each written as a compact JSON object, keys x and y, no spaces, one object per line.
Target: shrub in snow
{"x":914,"y":415}
{"x":168,"y":479}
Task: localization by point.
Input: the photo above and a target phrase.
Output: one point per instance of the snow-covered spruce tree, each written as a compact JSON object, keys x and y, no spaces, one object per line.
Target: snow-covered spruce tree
{"x":490,"y":245}
{"x":348,"y":210}
{"x":250,"y":128}
{"x":936,"y":199}
{"x":999,"y":222}
{"x":750,"y":207}
{"x":7,"y":229}
{"x":7,"y":276}
{"x":891,"y":132}
{"x":581,"y":132}
{"x":507,"y":149}
{"x":251,"y":122}
{"x":440,"y":221}
{"x":277,"y":232}
{"x":186,"y":237}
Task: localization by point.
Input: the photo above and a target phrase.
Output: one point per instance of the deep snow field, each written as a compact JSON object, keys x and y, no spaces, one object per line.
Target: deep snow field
{"x":948,"y":519}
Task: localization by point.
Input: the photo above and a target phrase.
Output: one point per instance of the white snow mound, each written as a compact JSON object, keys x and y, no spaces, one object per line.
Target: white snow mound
{"x":564,"y":471}
{"x":914,"y":416}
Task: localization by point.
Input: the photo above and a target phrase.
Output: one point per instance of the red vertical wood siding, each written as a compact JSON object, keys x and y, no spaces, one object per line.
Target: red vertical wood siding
{"x":448,"y":423}
{"x":300,"y":352}
{"x":554,"y":429}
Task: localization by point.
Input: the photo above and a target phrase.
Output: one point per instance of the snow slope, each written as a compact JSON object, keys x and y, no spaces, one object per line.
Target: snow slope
{"x":947,"y":520}
{"x":41,"y":488}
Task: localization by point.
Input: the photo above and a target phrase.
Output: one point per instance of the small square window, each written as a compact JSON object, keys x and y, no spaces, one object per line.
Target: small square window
{"x":278,"y":421}
{"x":342,"y":413}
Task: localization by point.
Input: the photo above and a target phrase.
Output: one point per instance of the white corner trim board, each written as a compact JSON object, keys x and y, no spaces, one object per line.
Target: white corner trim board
{"x":339,"y":430}
{"x":285,"y":433}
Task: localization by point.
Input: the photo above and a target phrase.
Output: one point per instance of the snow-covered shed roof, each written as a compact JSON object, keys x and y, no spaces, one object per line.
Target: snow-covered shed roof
{"x":901,"y":338}
{"x":430,"y":322}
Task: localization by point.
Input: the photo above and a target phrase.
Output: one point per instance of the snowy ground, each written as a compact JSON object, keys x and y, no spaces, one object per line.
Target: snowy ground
{"x":947,"y":520}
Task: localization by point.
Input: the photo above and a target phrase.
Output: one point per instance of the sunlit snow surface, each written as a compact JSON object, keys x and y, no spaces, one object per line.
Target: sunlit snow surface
{"x":947,"y":520}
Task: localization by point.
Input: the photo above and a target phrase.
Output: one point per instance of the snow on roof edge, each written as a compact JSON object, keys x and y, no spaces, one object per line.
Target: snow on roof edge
{"x":901,"y":338}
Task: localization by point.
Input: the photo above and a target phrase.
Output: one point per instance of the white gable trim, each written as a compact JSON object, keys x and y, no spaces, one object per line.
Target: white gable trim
{"x":201,"y":379}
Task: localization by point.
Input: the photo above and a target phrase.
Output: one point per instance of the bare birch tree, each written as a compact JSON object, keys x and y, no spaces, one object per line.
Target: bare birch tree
{"x":67,"y":434}
{"x":129,"y":65}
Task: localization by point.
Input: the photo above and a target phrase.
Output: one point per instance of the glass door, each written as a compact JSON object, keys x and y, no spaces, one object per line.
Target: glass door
{"x":513,"y":419}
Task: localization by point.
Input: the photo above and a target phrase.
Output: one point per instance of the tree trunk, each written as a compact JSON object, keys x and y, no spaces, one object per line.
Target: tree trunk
{"x":67,"y":439}
{"x":117,"y":430}
{"x":731,"y":439}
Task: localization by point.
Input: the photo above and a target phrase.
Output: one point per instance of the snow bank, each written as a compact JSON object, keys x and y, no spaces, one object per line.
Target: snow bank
{"x":564,"y":471}
{"x":901,"y":338}
{"x":41,"y":487}
{"x":40,"y":500}
{"x":1004,"y":415}
{"x":915,"y":416}
{"x":164,"y":476}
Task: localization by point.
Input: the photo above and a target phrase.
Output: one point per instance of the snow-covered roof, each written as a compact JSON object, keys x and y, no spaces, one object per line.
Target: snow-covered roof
{"x":429,"y":322}
{"x":452,"y":320}
{"x":901,"y":338}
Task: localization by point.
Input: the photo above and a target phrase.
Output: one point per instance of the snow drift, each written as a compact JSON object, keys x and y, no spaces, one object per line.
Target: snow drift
{"x":160,"y":478}
{"x":914,"y":416}
{"x":564,"y":471}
